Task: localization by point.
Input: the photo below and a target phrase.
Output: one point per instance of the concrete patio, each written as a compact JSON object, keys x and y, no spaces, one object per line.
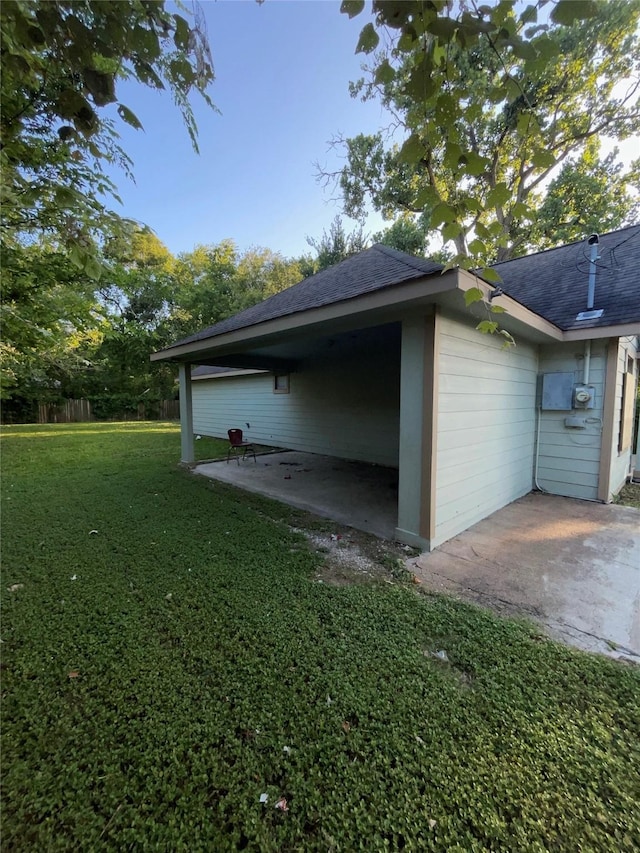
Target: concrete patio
{"x":573,"y":566}
{"x":353,"y":493}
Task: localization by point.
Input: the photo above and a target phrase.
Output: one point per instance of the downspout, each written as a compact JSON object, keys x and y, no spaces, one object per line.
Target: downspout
{"x":537,"y":456}
{"x":587,"y":362}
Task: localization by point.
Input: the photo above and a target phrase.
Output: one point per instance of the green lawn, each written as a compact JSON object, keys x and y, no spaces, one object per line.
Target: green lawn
{"x":169,"y":657}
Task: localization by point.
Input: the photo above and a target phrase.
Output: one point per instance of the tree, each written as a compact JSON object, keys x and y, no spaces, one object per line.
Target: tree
{"x":61,"y":65}
{"x":50,"y":316}
{"x":214,"y":282}
{"x":587,"y":196}
{"x":336,"y":245}
{"x":405,"y":234}
{"x":488,"y":102}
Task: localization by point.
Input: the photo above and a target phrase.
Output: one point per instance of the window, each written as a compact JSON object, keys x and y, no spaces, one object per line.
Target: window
{"x":281,"y":383}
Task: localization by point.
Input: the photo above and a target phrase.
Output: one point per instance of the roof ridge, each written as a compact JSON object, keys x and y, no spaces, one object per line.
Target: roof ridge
{"x":563,"y":245}
{"x":405,"y":257}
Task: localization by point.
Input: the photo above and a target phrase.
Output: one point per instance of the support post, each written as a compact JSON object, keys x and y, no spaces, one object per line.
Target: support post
{"x":418,"y":412}
{"x":186,"y":415}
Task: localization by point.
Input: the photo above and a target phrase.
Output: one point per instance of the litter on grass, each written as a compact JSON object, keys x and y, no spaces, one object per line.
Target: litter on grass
{"x":15,"y":587}
{"x":74,"y":577}
{"x":282,"y":805}
{"x":264,"y":798}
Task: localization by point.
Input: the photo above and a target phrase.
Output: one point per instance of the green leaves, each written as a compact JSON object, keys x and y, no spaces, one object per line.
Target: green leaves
{"x":487,"y":327}
{"x":488,"y":100}
{"x":368,"y":40}
{"x":351,"y":7}
{"x":490,"y":275}
{"x":498,"y":196}
{"x":101,"y":86}
{"x":543,"y":159}
{"x":473,"y":295}
{"x":384,"y":72}
{"x":442,"y":213}
{"x":567,"y":11}
{"x":60,"y":62}
{"x":412,"y":150}
{"x":181,"y":35}
{"x":130,"y":117}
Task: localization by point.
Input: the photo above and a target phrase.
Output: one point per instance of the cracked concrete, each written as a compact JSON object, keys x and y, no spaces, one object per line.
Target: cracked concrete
{"x":573,"y":566}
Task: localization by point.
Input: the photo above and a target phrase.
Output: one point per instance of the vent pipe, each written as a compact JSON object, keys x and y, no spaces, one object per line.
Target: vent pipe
{"x":593,"y":242}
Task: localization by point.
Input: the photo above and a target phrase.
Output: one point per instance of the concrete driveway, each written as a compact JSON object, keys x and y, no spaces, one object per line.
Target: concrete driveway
{"x":572,"y":565}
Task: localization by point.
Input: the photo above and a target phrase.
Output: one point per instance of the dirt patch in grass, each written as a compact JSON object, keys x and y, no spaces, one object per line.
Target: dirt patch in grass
{"x":351,"y":556}
{"x":348,"y":556}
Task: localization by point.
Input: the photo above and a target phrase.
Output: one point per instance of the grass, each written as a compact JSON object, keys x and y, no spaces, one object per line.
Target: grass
{"x":168,"y":658}
{"x":629,"y":495}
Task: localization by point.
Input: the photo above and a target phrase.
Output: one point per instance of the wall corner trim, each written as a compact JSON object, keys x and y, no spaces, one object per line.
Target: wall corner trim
{"x":608,"y":421}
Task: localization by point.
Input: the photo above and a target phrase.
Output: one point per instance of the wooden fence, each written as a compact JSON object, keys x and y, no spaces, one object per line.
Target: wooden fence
{"x":76,"y":411}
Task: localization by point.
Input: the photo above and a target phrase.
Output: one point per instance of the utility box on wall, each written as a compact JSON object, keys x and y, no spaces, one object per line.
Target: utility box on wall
{"x":557,"y":392}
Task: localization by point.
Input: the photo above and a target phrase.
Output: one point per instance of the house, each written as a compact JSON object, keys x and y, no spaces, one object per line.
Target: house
{"x":378,"y":359}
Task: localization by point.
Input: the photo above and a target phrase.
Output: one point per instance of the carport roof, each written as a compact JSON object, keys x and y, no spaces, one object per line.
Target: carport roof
{"x":551,"y":284}
{"x":370,"y":270}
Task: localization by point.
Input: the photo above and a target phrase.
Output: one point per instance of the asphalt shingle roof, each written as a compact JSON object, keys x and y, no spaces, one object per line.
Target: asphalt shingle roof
{"x":368,"y":271}
{"x":554,"y":283}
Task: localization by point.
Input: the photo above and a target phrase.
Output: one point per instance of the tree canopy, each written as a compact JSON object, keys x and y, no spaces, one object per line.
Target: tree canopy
{"x":486,"y":102}
{"x":62,"y":63}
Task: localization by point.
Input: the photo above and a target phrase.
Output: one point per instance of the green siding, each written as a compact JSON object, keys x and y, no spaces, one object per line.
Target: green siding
{"x":345,"y":406}
{"x":569,"y":459}
{"x":486,"y":407}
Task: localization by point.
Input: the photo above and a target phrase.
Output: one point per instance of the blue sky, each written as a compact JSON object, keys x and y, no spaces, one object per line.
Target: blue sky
{"x":282,"y":74}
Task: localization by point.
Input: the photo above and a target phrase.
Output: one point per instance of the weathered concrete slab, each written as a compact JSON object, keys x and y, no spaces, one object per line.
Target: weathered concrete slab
{"x":573,"y":565}
{"x":353,"y":493}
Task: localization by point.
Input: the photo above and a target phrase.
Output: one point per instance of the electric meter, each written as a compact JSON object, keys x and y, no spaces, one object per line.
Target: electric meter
{"x":584,"y":397}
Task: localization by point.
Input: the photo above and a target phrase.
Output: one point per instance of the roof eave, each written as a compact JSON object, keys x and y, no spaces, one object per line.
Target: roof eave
{"x":423,"y":288}
{"x":621,"y":330}
{"x":513,"y":308}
